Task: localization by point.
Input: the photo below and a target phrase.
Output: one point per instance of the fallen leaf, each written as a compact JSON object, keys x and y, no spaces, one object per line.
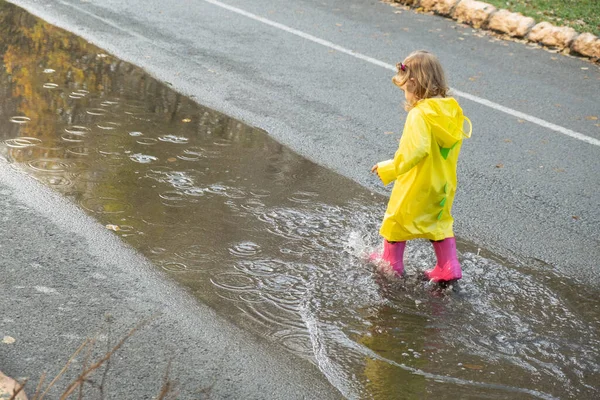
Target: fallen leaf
{"x":171,"y":159}
{"x":397,"y":12}
{"x":591,"y":118}
{"x":405,"y":29}
{"x":8,"y":340}
{"x":584,"y":68}
{"x":499,"y":165}
{"x":521,"y":121}
{"x":115,"y":228}
{"x":186,"y":120}
{"x":575,"y":217}
{"x":338,"y":24}
{"x":507,"y":141}
{"x":388,"y":133}
{"x":559,"y":170}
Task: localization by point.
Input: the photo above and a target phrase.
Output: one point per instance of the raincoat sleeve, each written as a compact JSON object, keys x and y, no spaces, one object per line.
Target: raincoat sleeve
{"x":414,"y":147}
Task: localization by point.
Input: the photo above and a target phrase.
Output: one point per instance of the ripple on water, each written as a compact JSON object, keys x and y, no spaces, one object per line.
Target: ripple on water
{"x":78,"y":130}
{"x":78,"y":94}
{"x":69,"y":137}
{"x":51,"y":165}
{"x":304,"y":197}
{"x":55,"y":181}
{"x":22,"y":142}
{"x":173,"y":139}
{"x":146,"y":141}
{"x":79,"y":150}
{"x":234,"y":281}
{"x":245,"y":249}
{"x":174,"y":267}
{"x":296,"y":341}
{"x":20,"y":119}
{"x":105,"y":205}
{"x":108,"y":126}
{"x":193,"y":154}
{"x":96,"y":111}
{"x":142,"y":158}
{"x":174,"y":199}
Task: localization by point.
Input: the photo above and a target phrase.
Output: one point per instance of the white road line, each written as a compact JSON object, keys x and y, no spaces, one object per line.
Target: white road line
{"x":476,"y":99}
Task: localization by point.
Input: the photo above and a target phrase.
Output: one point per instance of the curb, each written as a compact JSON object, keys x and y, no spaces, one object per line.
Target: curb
{"x":486,"y":16}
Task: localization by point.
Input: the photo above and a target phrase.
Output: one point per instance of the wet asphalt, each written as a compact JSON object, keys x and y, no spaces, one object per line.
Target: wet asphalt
{"x":65,"y":279}
{"x":526,"y":192}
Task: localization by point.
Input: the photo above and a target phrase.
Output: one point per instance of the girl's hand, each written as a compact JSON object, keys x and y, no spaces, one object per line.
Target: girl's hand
{"x":374,"y":169}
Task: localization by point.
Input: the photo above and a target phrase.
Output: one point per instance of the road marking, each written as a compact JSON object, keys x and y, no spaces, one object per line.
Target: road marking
{"x":476,"y":99}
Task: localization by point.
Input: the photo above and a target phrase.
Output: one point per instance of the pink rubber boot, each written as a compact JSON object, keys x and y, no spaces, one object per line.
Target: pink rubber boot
{"x":393,"y":253}
{"x":447,"y":267}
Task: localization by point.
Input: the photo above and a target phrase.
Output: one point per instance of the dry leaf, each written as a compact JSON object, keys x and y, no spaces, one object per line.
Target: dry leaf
{"x":521,"y":121}
{"x":8,"y":340}
{"x":338,"y":24}
{"x":507,"y":141}
{"x":591,"y":118}
{"x":575,"y":217}
{"x":171,"y":159}
{"x":388,"y":133}
{"x":115,"y":228}
{"x":186,"y":120}
{"x":499,"y":165}
{"x":584,"y":68}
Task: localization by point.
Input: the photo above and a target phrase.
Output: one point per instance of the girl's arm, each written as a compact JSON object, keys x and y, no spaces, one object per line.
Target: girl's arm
{"x":414,"y":147}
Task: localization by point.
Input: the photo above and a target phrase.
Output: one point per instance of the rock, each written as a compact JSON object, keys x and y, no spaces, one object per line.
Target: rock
{"x":442,"y":7}
{"x":407,"y":2}
{"x":515,"y":24}
{"x":473,"y":12}
{"x":587,"y":44}
{"x":551,"y":35}
{"x":8,"y":386}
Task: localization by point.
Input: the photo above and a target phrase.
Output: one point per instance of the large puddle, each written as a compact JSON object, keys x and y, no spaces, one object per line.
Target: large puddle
{"x":277,"y":243}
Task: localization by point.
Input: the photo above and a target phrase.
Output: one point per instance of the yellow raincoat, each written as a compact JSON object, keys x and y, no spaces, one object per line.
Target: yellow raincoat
{"x":424,"y":171}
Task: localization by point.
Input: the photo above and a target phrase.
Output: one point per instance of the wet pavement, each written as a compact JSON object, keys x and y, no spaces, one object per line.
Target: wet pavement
{"x":278,"y":244}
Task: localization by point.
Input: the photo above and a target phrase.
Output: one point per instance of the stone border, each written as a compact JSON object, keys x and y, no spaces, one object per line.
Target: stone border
{"x":483,"y":15}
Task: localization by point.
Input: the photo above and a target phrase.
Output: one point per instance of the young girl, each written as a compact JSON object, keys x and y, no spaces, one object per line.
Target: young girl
{"x":424,"y":168}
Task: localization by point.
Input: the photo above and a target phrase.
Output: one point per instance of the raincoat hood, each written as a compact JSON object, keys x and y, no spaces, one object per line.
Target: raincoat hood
{"x":446,"y":119}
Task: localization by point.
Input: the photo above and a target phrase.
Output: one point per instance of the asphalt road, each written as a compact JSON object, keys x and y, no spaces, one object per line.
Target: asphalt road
{"x":526,"y":191}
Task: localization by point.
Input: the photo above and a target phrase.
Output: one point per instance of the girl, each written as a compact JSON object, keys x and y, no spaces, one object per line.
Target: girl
{"x":424,"y":168}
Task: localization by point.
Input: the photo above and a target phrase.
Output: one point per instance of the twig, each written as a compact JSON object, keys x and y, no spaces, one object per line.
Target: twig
{"x":39,"y":386}
{"x":86,"y":359}
{"x":105,"y":373}
{"x":18,"y":390}
{"x":62,"y":371}
{"x":83,"y":376}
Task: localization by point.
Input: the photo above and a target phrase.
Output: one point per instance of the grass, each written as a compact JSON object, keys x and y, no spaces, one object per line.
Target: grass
{"x":91,"y":367}
{"x":582,"y":15}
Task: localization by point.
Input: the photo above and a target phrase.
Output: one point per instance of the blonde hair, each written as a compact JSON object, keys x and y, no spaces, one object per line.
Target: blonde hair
{"x":425,"y":70}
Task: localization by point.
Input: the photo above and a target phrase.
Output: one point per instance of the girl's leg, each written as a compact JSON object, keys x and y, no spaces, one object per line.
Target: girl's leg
{"x":393,"y":252}
{"x":447,"y":267}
